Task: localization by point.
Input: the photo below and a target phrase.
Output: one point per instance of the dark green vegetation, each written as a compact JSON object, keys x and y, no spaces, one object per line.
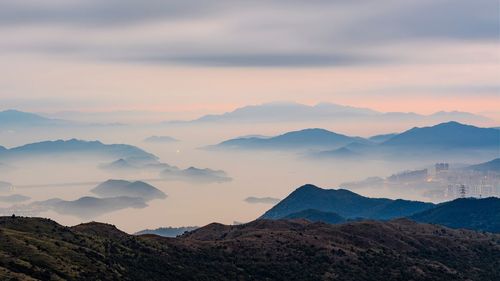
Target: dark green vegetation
{"x":167,"y":231}
{"x":317,"y":216}
{"x":336,"y":206}
{"x":470,"y":213}
{"x":344,"y":203}
{"x":34,"y":248}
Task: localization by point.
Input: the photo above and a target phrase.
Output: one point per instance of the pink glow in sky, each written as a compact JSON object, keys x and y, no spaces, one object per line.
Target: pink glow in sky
{"x":196,"y":57}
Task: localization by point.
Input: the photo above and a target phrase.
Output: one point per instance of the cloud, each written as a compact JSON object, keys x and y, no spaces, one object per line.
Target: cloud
{"x":239,"y":33}
{"x":99,"y":13}
{"x":264,"y":60}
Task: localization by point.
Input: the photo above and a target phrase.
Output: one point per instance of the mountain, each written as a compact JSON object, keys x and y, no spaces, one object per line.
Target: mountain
{"x":74,"y":146}
{"x":307,"y":138}
{"x":118,"y":165}
{"x":317,"y":216}
{"x":450,"y":135}
{"x":261,"y":200}
{"x":493,"y":165}
{"x":327,"y":112}
{"x":14,"y":198}
{"x":5,"y":186}
{"x":36,"y":248}
{"x":116,"y":188}
{"x":286,"y":112}
{"x":160,"y":139}
{"x":196,"y":175}
{"x":90,"y":207}
{"x":344,"y":203}
{"x":381,"y":138}
{"x":135,"y":164}
{"x":167,"y":231}
{"x":340,"y":153}
{"x":85,"y":207}
{"x":12,"y":117}
{"x":470,"y":213}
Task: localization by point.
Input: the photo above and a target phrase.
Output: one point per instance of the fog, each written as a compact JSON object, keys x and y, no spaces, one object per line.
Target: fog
{"x":254,"y":173}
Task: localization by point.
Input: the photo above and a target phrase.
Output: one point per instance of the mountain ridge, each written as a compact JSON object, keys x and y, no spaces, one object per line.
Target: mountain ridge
{"x":259,"y":250}
{"x":344,"y":203}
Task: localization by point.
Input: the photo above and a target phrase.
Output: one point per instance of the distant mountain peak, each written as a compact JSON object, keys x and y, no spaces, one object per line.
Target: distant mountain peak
{"x":344,"y":203}
{"x":451,"y":134}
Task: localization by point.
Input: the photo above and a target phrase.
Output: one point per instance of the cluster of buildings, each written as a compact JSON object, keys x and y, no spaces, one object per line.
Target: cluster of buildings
{"x":445,"y":183}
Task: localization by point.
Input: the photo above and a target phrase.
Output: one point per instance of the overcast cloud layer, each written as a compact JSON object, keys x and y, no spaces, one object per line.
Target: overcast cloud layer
{"x":194,"y":57}
{"x":241,"y":33}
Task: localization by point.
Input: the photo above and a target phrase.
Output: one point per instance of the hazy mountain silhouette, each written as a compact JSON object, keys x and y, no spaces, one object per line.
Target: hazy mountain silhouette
{"x":118,"y":165}
{"x":167,"y":231}
{"x":129,"y":164}
{"x":285,"y":112}
{"x":193,"y":174}
{"x":470,"y":213}
{"x":493,"y":165}
{"x":90,"y":207}
{"x":314,"y":215}
{"x":339,"y":153}
{"x":344,"y":203}
{"x":85,"y":207}
{"x":445,"y":139}
{"x":295,"y":112}
{"x":160,"y":139}
{"x":448,"y":135}
{"x":307,"y":138}
{"x":117,"y":188}
{"x":36,"y":248}
{"x":381,"y":138}
{"x":10,"y":118}
{"x":5,"y":186}
{"x":14,"y":198}
{"x":74,"y":146}
{"x":261,"y":200}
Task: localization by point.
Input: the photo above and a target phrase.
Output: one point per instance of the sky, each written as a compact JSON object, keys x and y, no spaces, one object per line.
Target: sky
{"x":194,"y":57}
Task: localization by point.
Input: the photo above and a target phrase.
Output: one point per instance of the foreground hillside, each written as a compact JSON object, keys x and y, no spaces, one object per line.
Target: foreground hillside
{"x":34,"y":248}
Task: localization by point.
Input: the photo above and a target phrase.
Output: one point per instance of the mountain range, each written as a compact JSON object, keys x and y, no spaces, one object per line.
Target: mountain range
{"x":116,"y":188}
{"x":450,"y":135}
{"x":336,"y":206}
{"x":345,"y":203}
{"x":262,"y":200}
{"x":471,"y":213}
{"x":75,"y":146}
{"x":196,"y":175}
{"x":160,"y":139}
{"x":493,"y":166}
{"x":15,"y":118}
{"x":449,"y":138}
{"x":307,"y":138}
{"x":86,"y":207}
{"x":167,"y":231}
{"x":326,"y":112}
{"x":36,"y":248}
